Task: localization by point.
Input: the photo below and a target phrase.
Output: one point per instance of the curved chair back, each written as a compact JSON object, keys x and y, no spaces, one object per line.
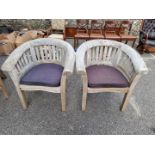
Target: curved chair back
{"x":34,"y":52}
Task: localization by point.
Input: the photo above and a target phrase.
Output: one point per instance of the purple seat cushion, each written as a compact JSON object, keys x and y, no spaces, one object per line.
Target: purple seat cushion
{"x":105,"y":76}
{"x":43,"y":75}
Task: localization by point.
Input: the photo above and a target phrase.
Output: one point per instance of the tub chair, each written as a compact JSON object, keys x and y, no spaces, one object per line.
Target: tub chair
{"x":41,"y":64}
{"x":108,"y":66}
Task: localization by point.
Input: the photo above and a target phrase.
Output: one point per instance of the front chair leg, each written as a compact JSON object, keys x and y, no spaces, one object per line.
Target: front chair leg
{"x":63,"y":93}
{"x":22,"y":98}
{"x":84,"y":95}
{"x":128,"y":94}
{"x":84,"y":100}
{"x":125,"y":101}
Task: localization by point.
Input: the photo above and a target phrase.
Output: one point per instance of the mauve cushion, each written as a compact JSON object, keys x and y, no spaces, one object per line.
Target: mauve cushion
{"x":105,"y":76}
{"x":43,"y":75}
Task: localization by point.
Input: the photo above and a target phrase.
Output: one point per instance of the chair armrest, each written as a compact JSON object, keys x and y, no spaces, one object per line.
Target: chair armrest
{"x":13,"y":58}
{"x":138,"y":62}
{"x":80,"y":64}
{"x":70,"y":59}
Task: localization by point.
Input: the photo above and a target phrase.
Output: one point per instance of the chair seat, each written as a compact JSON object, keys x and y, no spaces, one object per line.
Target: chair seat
{"x":82,"y":35}
{"x":97,"y":36}
{"x":105,"y":76}
{"x":46,"y":74}
{"x":111,"y":36}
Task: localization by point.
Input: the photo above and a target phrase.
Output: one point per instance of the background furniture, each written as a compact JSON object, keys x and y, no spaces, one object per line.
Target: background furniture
{"x":2,"y":87}
{"x":108,"y":66}
{"x":125,"y":32}
{"x":147,"y":36}
{"x":58,"y":27}
{"x":41,"y":64}
{"x":96,"y":31}
{"x":110,"y":30}
{"x":82,"y":31}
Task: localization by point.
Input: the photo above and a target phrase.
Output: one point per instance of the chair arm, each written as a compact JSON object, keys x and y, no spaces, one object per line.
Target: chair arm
{"x":70,"y":59}
{"x":13,"y":58}
{"x":80,"y":65}
{"x":138,"y":62}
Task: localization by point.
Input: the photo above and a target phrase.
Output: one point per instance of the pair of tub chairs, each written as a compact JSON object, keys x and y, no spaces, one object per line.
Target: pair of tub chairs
{"x":104,"y":65}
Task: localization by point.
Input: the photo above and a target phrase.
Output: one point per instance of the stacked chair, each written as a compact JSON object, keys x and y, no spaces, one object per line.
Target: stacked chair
{"x":147,"y":36}
{"x":108,"y":29}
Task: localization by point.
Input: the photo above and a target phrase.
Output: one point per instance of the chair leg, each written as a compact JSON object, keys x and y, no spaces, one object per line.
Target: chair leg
{"x":74,"y":42}
{"x":63,"y":93}
{"x":85,"y":92}
{"x":125,"y":101}
{"x":126,"y":42}
{"x":22,"y":98}
{"x":128,"y":94}
{"x":133,"y":43}
{"x":84,"y":100}
{"x":3,"y":88}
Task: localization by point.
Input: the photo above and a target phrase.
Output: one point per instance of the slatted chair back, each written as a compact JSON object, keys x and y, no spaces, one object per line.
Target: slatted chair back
{"x":125,"y":27}
{"x":110,"y":26}
{"x":82,"y":25}
{"x":96,"y":27}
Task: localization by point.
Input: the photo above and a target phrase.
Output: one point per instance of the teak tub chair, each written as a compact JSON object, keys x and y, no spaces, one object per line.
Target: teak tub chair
{"x":108,"y":66}
{"x":41,"y":64}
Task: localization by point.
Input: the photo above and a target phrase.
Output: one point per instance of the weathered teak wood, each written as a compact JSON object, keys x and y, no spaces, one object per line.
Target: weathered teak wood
{"x":112,"y":53}
{"x":2,"y":87}
{"x":36,"y":52}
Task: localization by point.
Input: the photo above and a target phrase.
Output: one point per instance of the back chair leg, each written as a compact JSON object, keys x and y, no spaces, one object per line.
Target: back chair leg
{"x":22,"y":98}
{"x":133,"y":43}
{"x":74,"y":42}
{"x":63,"y":93}
{"x":85,"y":92}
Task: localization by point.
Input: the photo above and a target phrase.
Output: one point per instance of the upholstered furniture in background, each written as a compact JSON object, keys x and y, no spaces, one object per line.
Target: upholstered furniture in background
{"x":41,"y":64}
{"x":147,"y":36}
{"x":108,"y":66}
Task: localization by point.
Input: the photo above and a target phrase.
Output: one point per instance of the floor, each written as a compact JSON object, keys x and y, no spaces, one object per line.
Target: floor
{"x":102,"y":116}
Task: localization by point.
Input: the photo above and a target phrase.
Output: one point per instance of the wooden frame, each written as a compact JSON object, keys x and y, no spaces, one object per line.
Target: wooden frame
{"x":81,"y":31}
{"x":2,"y":87}
{"x":96,"y":31}
{"x":112,"y":53}
{"x":35,"y":52}
{"x":110,"y":30}
{"x":126,"y":26}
